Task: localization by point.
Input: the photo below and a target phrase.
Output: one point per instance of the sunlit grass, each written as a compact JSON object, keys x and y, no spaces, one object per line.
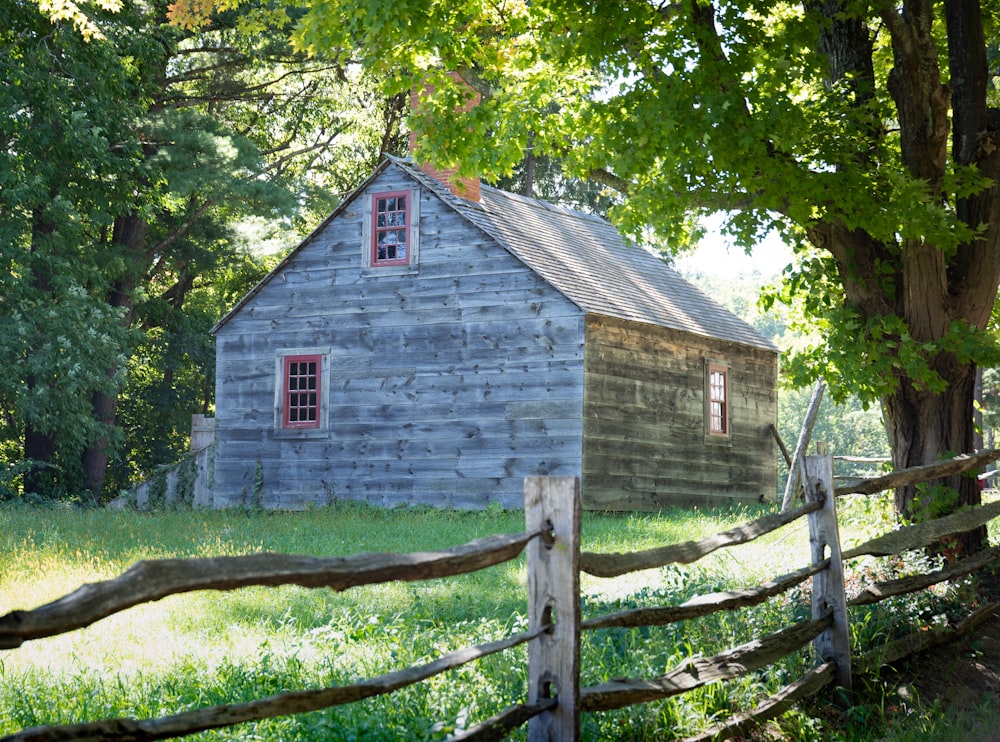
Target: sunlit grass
{"x":208,"y":648}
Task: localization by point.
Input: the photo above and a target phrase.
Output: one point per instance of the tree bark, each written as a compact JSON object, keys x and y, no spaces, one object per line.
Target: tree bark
{"x":929,"y":288}
{"x":39,"y":447}
{"x":925,"y":426}
{"x":129,"y":232}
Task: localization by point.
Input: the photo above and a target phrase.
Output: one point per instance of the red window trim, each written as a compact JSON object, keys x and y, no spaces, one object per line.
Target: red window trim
{"x":718,"y":400}
{"x":301,"y":402}
{"x":376,"y":229}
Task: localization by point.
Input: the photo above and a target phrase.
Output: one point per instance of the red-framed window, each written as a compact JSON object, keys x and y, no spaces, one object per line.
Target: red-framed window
{"x":391,"y":213}
{"x":301,"y":391}
{"x":718,"y":400}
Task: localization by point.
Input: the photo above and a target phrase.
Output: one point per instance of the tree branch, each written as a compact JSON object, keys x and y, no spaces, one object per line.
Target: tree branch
{"x":184,"y":227}
{"x":612,"y":181}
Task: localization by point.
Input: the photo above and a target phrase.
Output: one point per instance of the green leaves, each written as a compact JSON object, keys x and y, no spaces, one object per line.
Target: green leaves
{"x":870,"y":357}
{"x":125,"y":164}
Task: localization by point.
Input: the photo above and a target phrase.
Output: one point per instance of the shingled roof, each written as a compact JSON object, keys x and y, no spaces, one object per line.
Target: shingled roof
{"x":588,"y":261}
{"x":583,"y":256}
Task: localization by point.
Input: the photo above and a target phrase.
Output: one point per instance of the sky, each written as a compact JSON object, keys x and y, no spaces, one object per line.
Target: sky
{"x":717,"y":256}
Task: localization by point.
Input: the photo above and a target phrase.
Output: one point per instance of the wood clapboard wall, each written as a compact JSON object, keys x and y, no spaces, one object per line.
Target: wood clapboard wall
{"x":447,"y":386}
{"x":645,"y":440}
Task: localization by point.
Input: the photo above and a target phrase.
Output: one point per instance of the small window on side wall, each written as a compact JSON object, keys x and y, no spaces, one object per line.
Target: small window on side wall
{"x":391,"y":232}
{"x":717,"y":408}
{"x":301,"y":386}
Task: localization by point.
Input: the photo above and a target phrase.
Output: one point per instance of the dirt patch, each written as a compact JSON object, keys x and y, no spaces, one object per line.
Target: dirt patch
{"x":953,"y":686}
{"x":958,"y":680}
{"x":959,"y":674}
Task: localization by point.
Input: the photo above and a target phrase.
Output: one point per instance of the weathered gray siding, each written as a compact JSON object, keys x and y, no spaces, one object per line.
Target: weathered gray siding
{"x":646,"y":444}
{"x":447,"y":385}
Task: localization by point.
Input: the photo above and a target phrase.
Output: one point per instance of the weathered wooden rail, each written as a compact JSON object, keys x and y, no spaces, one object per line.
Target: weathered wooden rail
{"x":555,"y":699}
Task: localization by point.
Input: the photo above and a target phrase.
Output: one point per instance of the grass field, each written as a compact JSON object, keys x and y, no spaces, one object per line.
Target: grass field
{"x":207,"y":648}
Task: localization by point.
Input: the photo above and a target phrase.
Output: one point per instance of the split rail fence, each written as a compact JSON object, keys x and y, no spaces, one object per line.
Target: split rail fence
{"x":555,"y":699}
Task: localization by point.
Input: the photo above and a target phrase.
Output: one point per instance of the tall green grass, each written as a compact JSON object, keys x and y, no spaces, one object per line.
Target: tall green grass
{"x":211,"y":648}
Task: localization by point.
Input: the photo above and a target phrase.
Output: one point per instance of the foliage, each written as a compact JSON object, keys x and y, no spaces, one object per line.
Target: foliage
{"x":82,"y":21}
{"x":171,"y":372}
{"x":133,"y":154}
{"x":860,"y":132}
{"x":64,"y":162}
{"x":991,"y":405}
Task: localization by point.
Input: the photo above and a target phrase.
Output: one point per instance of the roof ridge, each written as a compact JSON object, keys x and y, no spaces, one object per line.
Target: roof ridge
{"x":581,"y":255}
{"x":442,"y":189}
{"x":439,"y":188}
{"x":556,"y":207}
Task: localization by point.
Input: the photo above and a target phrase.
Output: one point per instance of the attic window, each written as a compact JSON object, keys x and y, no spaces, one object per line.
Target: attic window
{"x":390,"y":233}
{"x":718,"y":400}
{"x":391,"y":228}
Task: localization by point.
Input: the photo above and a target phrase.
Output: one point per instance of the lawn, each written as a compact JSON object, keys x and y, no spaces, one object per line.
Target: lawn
{"x":210,"y":648}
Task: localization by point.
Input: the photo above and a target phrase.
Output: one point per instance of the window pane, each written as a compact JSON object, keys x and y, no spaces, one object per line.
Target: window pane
{"x":301,"y":398}
{"x":390,"y":230}
{"x":718,"y":413}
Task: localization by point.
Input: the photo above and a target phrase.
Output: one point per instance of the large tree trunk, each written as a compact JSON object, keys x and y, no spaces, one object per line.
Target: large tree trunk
{"x":130,"y":233}
{"x":931,"y":290}
{"x":39,"y":447}
{"x":95,"y":456}
{"x":924,"y":427}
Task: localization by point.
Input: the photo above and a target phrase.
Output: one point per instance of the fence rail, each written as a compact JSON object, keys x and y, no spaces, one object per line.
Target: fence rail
{"x":551,"y":541}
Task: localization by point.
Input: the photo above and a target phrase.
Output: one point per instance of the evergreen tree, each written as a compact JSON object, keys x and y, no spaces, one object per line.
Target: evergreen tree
{"x":130,"y":158}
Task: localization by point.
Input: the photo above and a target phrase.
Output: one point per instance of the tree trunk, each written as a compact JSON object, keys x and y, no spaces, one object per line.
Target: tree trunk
{"x":39,"y":447}
{"x":95,"y":456}
{"x":130,"y":234}
{"x":924,"y":427}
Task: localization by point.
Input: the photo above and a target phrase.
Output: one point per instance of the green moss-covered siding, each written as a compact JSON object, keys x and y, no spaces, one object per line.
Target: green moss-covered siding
{"x":645,"y":438}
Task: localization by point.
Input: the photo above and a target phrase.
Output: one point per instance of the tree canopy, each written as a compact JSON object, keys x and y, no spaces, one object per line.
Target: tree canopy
{"x":131,"y":152}
{"x":863,"y":132}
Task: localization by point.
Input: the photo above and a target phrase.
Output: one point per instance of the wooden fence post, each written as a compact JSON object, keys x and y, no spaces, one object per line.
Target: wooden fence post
{"x":795,"y":473}
{"x":834,"y":644}
{"x":554,"y":597}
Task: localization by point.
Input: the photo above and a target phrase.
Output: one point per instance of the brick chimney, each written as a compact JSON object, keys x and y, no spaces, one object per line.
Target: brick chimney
{"x":467,"y":188}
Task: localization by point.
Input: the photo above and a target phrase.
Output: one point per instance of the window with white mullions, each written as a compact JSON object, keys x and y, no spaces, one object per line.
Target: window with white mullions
{"x":391,"y":229}
{"x":718,"y":400}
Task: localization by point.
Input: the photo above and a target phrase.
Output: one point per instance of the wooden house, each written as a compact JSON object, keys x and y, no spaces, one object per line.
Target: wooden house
{"x":429,"y":345}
